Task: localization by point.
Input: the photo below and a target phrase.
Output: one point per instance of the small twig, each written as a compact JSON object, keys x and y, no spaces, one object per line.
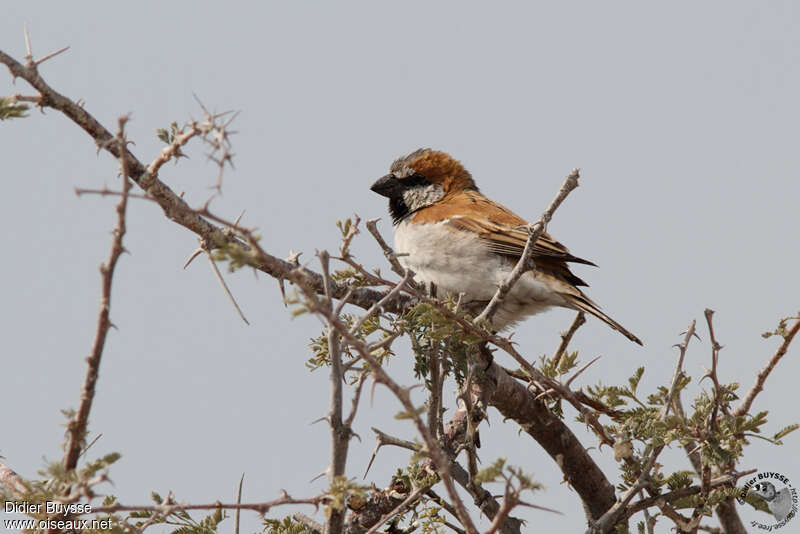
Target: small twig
{"x":50,"y":55}
{"x":435,"y":423}
{"x":566,"y":337}
{"x":391,"y":257}
{"x":11,"y":480}
{"x":525,"y":264}
{"x":678,"y":370}
{"x":105,"y":192}
{"x":649,"y":522}
{"x":509,"y":502}
{"x":671,"y":496}
{"x":89,"y":445}
{"x":385,"y":439}
{"x":382,"y":302}
{"x":402,"y":394}
{"x":13,"y":99}
{"x":581,"y":370}
{"x":356,"y":398}
{"x":435,"y":497}
{"x":261,"y":507}
{"x":612,"y":516}
{"x":715,"y":348}
{"x":400,"y":508}
{"x":313,"y":526}
{"x":758,"y":386}
{"x":76,"y":428}
{"x":340,"y":433}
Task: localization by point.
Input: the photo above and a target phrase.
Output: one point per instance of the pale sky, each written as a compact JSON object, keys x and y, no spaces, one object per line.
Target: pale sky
{"x":682,"y":116}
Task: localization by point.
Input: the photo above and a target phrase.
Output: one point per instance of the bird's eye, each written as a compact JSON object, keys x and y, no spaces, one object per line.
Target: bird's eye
{"x":415,"y":180}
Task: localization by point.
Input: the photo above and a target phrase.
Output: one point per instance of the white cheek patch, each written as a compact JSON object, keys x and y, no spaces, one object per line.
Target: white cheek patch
{"x":424,"y":195}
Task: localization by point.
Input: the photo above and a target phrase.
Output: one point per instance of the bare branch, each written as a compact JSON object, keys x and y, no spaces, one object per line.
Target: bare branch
{"x":400,"y":508}
{"x":678,"y":369}
{"x":175,"y":208}
{"x":525,"y":264}
{"x":402,"y":394}
{"x":12,"y":481}
{"x":610,"y":518}
{"x":671,"y":496}
{"x":566,"y":337}
{"x":340,"y":433}
{"x":310,"y":524}
{"x":391,"y":257}
{"x":356,"y":398}
{"x":76,"y":428}
{"x":758,"y":386}
{"x":261,"y":507}
{"x":385,"y":439}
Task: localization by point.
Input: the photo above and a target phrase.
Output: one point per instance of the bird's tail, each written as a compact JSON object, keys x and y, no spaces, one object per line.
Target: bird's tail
{"x":583,"y":303}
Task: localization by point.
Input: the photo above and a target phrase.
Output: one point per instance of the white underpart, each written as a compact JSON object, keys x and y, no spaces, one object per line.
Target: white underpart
{"x":421,"y":196}
{"x":459,"y":262}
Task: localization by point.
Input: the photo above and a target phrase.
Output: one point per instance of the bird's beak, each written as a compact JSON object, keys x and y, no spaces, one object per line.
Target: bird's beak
{"x":387,"y":186}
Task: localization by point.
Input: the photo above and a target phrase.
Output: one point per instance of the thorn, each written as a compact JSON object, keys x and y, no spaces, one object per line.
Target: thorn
{"x":225,"y":288}
{"x":239,"y":218}
{"x":208,"y":203}
{"x":318,"y":476}
{"x":294,"y":258}
{"x":201,"y":104}
{"x":50,"y":55}
{"x":193,"y":256}
{"x":372,"y":459}
{"x":321,"y":419}
{"x":28,"y":57}
{"x":283,"y":292}
{"x":372,"y":392}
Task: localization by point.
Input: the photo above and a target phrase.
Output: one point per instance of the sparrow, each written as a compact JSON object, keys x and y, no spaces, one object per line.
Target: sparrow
{"x":461,"y":243}
{"x":778,"y":502}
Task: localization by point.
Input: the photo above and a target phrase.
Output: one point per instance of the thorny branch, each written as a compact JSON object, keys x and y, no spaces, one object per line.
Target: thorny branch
{"x":340,"y":432}
{"x":566,"y":337}
{"x":260,"y":507}
{"x":76,"y":429}
{"x":612,"y":516}
{"x":505,"y":393}
{"x":401,"y":393}
{"x":174,"y":207}
{"x":761,"y":378}
{"x":525,"y":264}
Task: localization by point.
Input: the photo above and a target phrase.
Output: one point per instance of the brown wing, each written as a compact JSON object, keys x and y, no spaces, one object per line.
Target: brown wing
{"x":504,"y":232}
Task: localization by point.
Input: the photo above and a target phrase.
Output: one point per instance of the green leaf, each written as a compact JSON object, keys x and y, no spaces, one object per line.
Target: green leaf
{"x":491,"y":473}
{"x":787,"y":430}
{"x":410,"y":415}
{"x":634,"y":380}
{"x":12,"y":110}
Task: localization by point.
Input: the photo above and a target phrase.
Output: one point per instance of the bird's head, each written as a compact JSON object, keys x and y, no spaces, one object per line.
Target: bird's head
{"x":765,"y":490}
{"x":421,"y":179}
